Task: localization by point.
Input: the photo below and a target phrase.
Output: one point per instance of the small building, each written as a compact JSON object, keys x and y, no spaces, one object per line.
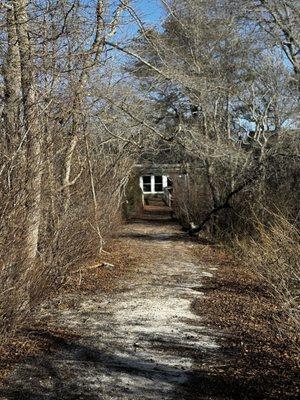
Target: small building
{"x":156,"y":180}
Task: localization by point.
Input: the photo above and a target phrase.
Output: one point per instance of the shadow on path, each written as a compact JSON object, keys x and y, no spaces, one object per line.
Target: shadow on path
{"x":193,"y":384}
{"x":143,"y":343}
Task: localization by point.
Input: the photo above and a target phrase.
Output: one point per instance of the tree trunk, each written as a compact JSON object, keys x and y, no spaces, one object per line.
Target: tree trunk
{"x":31,"y":125}
{"x":12,"y":84}
{"x":214,"y":193}
{"x":213,"y":188}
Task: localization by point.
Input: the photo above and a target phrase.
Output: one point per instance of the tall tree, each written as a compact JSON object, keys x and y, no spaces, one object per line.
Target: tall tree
{"x":31,"y":130}
{"x":11,"y":75}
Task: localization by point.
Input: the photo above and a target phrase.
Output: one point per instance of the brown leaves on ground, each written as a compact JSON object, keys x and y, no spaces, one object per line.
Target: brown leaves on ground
{"x":29,"y":342}
{"x":241,"y":305}
{"x":118,"y":259}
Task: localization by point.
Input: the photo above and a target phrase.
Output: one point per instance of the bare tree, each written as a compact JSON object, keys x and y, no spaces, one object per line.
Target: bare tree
{"x":11,"y":75}
{"x":31,"y":127}
{"x":281,"y":20}
{"x":64,"y":164}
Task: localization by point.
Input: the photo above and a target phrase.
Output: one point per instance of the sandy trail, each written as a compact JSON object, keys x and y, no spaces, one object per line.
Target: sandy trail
{"x":143,"y":341}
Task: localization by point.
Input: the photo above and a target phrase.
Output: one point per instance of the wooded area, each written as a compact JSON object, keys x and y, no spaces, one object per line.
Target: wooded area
{"x":85,"y":97}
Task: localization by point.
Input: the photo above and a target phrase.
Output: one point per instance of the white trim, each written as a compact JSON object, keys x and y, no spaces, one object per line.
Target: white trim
{"x":165,"y":181}
{"x":141,"y":183}
{"x":152,"y":184}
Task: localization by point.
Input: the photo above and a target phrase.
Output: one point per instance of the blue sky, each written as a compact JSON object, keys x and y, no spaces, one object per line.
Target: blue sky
{"x":151,"y":12}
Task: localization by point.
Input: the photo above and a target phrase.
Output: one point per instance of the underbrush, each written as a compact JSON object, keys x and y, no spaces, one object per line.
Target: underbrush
{"x":34,"y":335}
{"x":274,"y":256}
{"x":66,"y":240}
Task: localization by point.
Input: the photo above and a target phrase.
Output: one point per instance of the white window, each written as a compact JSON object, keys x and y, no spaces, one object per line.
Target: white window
{"x":153,"y":183}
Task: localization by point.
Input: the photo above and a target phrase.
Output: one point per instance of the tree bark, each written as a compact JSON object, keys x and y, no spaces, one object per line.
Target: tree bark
{"x":31,"y":126}
{"x":213,"y":188}
{"x":12,"y":84}
{"x":222,"y":205}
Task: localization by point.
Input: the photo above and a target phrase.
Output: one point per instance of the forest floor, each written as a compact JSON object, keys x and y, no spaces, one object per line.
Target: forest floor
{"x":160,"y":317}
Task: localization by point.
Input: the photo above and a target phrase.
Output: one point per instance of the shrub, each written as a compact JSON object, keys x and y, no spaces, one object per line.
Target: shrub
{"x":274,"y":254}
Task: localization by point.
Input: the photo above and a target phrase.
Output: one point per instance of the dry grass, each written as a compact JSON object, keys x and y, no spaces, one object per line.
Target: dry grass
{"x":275,"y":258}
{"x":68,"y":237}
{"x":118,"y":260}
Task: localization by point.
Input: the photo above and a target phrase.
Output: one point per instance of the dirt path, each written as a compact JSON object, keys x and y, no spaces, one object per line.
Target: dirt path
{"x":143,"y":341}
